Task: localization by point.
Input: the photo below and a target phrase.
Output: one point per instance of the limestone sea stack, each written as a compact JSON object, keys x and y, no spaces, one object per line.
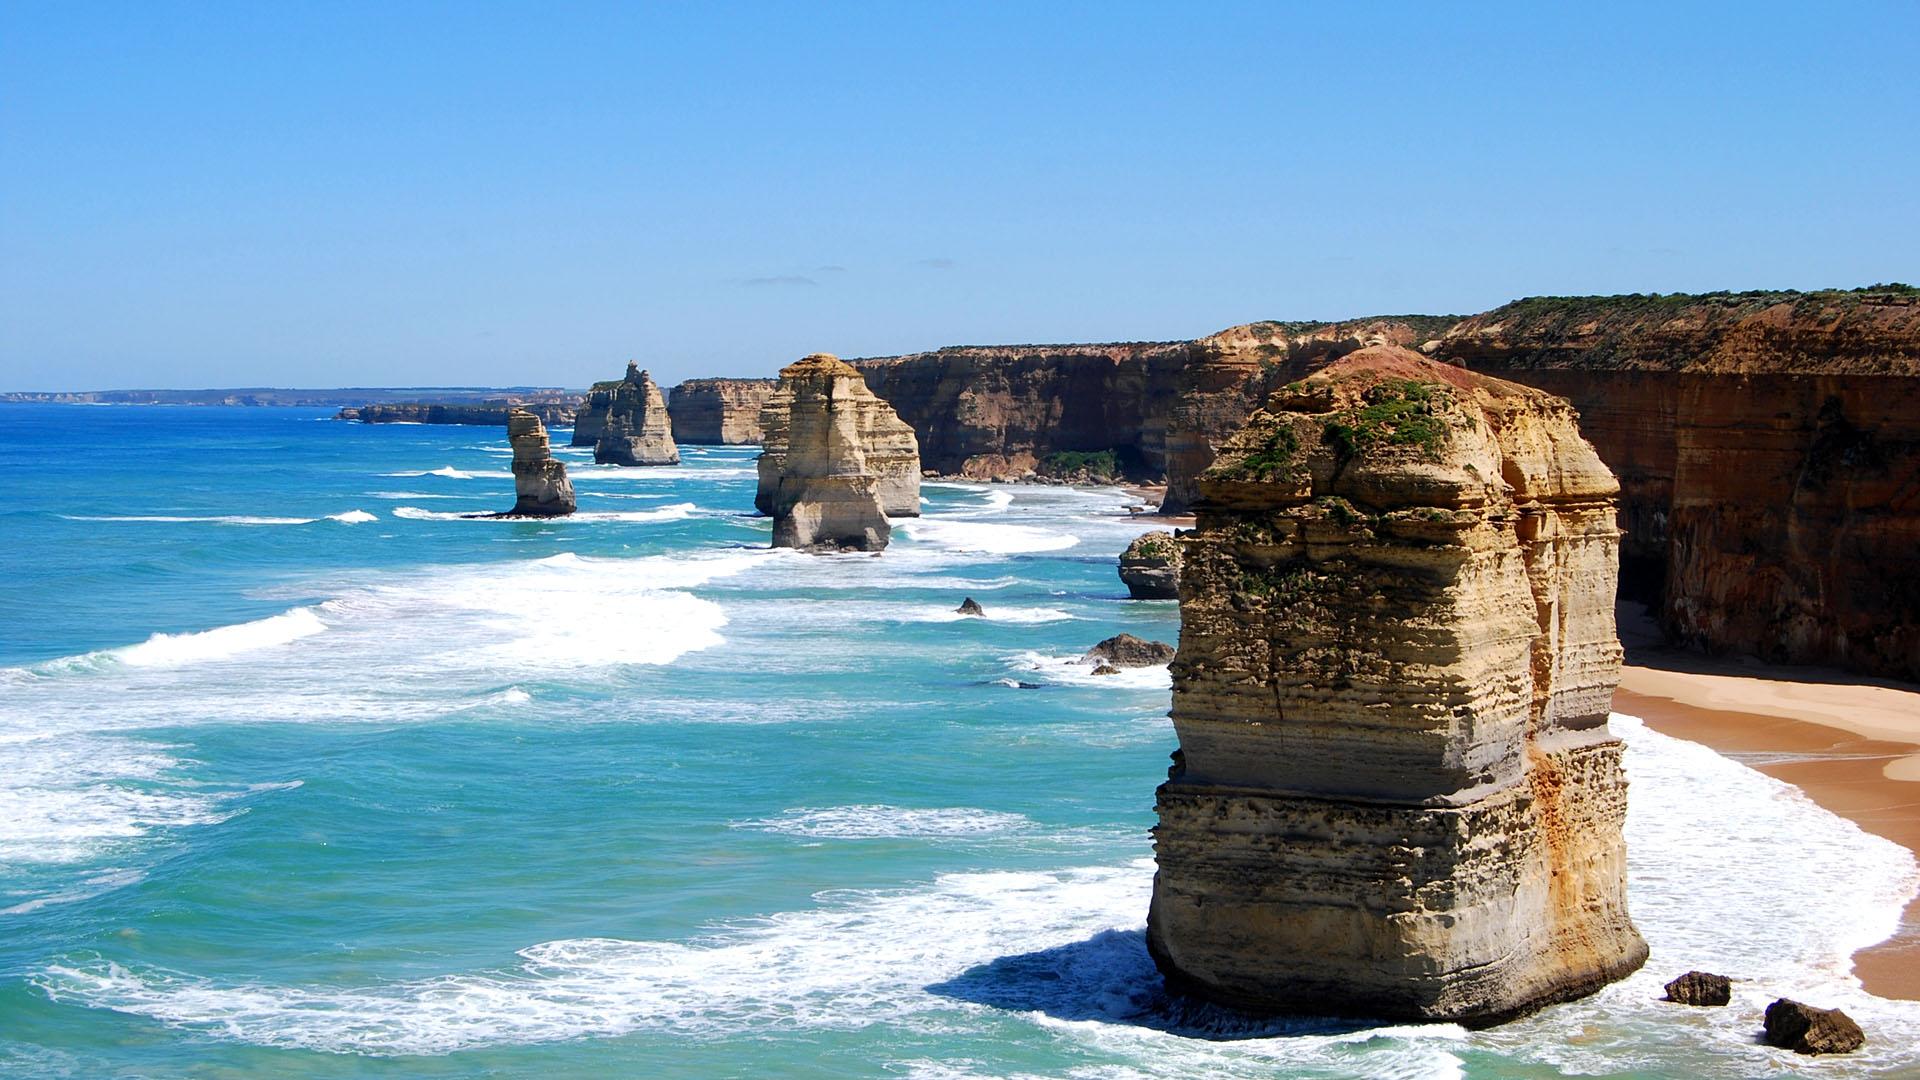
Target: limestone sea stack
{"x":540,"y":484}
{"x":1150,"y":567}
{"x":825,"y":492}
{"x":636,"y":430}
{"x":1396,"y":795}
{"x":890,"y":448}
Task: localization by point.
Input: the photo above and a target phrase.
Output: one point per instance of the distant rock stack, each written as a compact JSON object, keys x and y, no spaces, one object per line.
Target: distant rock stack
{"x":540,"y":484}
{"x":825,"y":493}
{"x":591,"y":419}
{"x":1396,"y":795}
{"x":891,"y":449}
{"x":636,"y":430}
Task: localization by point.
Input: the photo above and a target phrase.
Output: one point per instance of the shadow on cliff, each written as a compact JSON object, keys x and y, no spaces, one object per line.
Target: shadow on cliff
{"x":1109,"y":978}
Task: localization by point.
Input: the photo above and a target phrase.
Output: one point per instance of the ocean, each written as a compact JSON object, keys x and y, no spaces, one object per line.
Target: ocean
{"x":302,"y":774}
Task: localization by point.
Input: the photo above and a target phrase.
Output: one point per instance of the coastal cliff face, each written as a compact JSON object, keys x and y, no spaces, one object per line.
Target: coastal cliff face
{"x":719,"y":412}
{"x":1003,"y":411}
{"x":484,"y":415}
{"x":540,"y":484}
{"x":591,"y":418}
{"x":1396,"y":795}
{"x":636,"y":429}
{"x":889,"y":449}
{"x":1768,"y":448}
{"x":825,"y":494}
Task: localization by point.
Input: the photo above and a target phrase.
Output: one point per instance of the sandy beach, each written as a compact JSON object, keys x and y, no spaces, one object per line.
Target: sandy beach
{"x":1852,"y":745}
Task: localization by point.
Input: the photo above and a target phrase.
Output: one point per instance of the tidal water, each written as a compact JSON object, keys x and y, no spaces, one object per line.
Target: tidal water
{"x":302,"y":774}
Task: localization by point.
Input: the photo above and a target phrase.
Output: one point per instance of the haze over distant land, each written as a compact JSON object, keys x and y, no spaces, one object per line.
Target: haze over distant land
{"x":200,"y":195}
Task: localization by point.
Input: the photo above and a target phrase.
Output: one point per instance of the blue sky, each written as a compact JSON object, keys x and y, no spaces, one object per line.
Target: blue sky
{"x":321,"y":194}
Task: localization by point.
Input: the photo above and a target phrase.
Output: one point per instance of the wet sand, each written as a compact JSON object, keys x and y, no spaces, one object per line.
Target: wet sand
{"x":1852,"y":746}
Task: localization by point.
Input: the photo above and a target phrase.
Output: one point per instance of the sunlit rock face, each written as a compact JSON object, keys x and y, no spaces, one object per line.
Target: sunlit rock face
{"x":829,"y":479}
{"x":889,"y":448}
{"x":719,"y":412}
{"x":540,"y":484}
{"x":636,"y":429}
{"x":1396,"y":795}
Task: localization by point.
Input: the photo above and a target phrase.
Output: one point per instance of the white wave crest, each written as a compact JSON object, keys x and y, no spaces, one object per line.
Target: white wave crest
{"x":353,"y":517}
{"x":1076,"y":671}
{"x":221,"y":642}
{"x":990,"y":538}
{"x":889,"y":822}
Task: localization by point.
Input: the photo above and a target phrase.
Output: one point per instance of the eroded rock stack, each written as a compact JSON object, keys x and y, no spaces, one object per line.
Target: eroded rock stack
{"x":719,"y":412}
{"x":1150,"y":567}
{"x":636,"y":430}
{"x":1396,"y":795}
{"x":826,"y":490}
{"x":540,"y":484}
{"x":889,"y":448}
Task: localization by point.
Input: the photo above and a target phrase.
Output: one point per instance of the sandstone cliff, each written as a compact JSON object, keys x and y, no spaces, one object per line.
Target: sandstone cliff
{"x":1768,"y":448}
{"x":889,"y":448}
{"x":719,"y":412}
{"x":636,"y":429}
{"x":488,"y":414}
{"x":824,"y":493}
{"x":1396,"y":795}
{"x":591,"y":418}
{"x":540,"y":484}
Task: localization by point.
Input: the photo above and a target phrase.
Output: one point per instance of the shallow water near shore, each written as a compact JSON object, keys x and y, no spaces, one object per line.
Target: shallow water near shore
{"x":308,"y":775}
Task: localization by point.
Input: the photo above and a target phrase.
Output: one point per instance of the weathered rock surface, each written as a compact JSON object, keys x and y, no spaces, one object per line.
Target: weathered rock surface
{"x":1125,"y":650}
{"x":484,"y":414}
{"x":1396,"y":795}
{"x":1151,"y":567}
{"x":1700,"y":988}
{"x":1804,"y":1029}
{"x":824,"y":493}
{"x":540,"y":484}
{"x":970,"y":606}
{"x":890,"y":450}
{"x":636,"y":429}
{"x":719,"y":412}
{"x":591,"y":417}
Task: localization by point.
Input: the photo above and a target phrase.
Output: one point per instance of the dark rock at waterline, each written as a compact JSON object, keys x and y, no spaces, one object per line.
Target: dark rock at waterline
{"x":1125,"y":650}
{"x":970,"y":606}
{"x":1700,"y":988}
{"x":1804,"y":1029}
{"x":1106,"y":669}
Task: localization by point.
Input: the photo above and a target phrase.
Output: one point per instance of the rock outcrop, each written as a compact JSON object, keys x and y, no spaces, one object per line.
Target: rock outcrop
{"x":1396,"y":795}
{"x":889,"y":447}
{"x":970,"y":606}
{"x":1804,"y":1029}
{"x":1150,"y":567}
{"x":719,"y":412}
{"x":1700,"y":988}
{"x":824,"y":493}
{"x":1768,"y":449}
{"x":540,"y":484}
{"x":1127,"y":651}
{"x":591,"y":418}
{"x":636,"y":430}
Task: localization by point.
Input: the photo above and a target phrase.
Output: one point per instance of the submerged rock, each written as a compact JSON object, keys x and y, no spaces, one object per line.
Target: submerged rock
{"x":1700,"y":988}
{"x":1125,"y":650}
{"x":890,"y":448}
{"x":636,"y":430}
{"x":1804,"y":1029}
{"x":970,"y":606}
{"x":823,"y":492}
{"x":1396,"y":795}
{"x":1151,"y":567}
{"x":540,"y":484}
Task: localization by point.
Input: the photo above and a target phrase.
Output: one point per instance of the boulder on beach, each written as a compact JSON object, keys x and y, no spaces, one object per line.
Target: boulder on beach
{"x":1151,"y":567}
{"x":1700,"y":988}
{"x":1804,"y":1029}
{"x":1125,"y":650}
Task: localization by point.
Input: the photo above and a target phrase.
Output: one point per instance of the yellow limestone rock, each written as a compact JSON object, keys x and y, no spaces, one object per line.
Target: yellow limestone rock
{"x":636,"y":429}
{"x":1396,"y":795}
{"x":822,"y":483}
{"x":889,"y":446}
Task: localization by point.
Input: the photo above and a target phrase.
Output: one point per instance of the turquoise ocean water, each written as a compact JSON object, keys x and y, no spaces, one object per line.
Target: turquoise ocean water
{"x":301,"y":774}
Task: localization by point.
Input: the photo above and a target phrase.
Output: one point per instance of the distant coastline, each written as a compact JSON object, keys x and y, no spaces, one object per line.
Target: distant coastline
{"x":321,"y":398}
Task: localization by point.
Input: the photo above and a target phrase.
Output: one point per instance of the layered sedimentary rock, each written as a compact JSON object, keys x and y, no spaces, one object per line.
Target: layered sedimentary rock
{"x":889,"y":448}
{"x":487,"y":414}
{"x":591,"y":418}
{"x":540,"y":484}
{"x":719,"y":412}
{"x":1150,"y":567}
{"x":1396,"y":794}
{"x":636,"y":429}
{"x":1768,"y":448}
{"x":825,"y":493}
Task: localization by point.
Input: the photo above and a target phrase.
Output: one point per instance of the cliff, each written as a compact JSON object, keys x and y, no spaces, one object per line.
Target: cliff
{"x":1768,"y":448}
{"x":636,"y":429}
{"x":1396,"y":795}
{"x":540,"y":484}
{"x":889,"y":448}
{"x":489,"y":414}
{"x":719,"y":412}
{"x":591,"y":418}
{"x":824,"y":494}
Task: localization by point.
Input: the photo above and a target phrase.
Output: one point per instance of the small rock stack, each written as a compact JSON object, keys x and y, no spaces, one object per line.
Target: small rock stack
{"x":637,"y":430}
{"x":821,"y":483}
{"x":1150,"y":567}
{"x":540,"y":484}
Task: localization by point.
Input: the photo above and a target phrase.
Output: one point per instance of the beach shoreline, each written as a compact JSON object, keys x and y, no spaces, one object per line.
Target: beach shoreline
{"x":1851,"y":747}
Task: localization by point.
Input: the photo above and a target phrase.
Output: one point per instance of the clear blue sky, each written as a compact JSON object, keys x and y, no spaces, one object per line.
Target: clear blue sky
{"x":321,"y":194}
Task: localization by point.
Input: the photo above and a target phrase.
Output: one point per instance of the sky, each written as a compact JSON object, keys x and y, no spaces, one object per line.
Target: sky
{"x":331,"y":194}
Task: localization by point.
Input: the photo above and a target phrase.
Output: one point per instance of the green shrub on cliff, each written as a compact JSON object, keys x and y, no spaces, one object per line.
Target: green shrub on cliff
{"x":1099,"y":465}
{"x":1396,"y":413}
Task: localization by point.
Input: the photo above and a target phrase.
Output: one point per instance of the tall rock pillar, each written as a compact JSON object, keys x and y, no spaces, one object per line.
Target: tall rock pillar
{"x":1396,"y":795}
{"x":636,"y":430}
{"x":821,"y":483}
{"x":540,"y":484}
